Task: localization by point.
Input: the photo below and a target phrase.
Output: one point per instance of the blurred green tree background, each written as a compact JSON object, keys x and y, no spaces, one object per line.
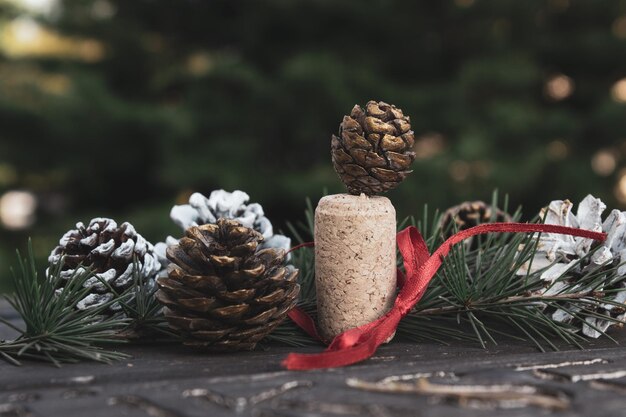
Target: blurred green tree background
{"x":123,"y":108}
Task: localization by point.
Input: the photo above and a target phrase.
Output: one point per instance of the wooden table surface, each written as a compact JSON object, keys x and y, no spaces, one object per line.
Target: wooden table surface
{"x":171,"y":381}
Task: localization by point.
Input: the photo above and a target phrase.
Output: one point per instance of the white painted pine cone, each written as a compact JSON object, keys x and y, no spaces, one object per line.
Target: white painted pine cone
{"x":556,"y":254}
{"x":221,"y":204}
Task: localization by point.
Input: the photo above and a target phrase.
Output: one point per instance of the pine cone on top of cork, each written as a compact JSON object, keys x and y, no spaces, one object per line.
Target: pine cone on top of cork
{"x":355,"y":233}
{"x":374,"y":149}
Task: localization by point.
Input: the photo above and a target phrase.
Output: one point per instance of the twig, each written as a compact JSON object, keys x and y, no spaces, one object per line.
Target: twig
{"x":504,"y":395}
{"x":240,"y":404}
{"x":505,"y":301}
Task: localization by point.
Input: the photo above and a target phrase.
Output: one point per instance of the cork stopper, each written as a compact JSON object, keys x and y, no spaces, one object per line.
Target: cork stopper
{"x":355,"y":261}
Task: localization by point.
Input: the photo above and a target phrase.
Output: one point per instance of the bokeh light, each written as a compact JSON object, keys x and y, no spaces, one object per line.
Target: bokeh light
{"x":482,"y":168}
{"x":199,"y":63}
{"x":619,"y":27}
{"x":24,"y":37}
{"x":37,"y":6}
{"x":429,"y":145}
{"x":559,"y":87}
{"x":103,"y":9}
{"x":459,"y":171}
{"x":604,"y":162}
{"x":557,"y":149}
{"x":17,"y":209}
{"x":619,"y":91}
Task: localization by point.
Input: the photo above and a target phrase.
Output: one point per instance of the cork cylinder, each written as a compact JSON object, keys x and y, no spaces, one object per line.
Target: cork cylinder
{"x":355,"y":261}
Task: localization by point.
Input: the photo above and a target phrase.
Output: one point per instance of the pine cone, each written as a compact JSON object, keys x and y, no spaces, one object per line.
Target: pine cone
{"x":373,"y":151}
{"x":223,"y":292}
{"x":470,"y":214}
{"x":221,"y":204}
{"x":563,"y":261}
{"x":110,"y":252}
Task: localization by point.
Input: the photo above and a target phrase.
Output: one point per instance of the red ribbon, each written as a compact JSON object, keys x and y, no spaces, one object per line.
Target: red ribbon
{"x":360,"y":343}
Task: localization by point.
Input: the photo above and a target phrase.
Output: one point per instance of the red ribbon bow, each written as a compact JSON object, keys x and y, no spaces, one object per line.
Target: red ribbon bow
{"x":360,"y":343}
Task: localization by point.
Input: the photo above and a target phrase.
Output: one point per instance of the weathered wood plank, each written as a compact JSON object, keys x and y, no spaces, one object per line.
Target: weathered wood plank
{"x":171,"y":381}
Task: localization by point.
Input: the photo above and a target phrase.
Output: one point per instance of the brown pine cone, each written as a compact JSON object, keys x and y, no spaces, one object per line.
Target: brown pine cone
{"x":373,"y":151}
{"x":470,"y":214}
{"x":222,"y":292}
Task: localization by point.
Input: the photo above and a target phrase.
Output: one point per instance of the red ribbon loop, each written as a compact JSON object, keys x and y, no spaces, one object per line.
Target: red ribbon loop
{"x":360,"y":343}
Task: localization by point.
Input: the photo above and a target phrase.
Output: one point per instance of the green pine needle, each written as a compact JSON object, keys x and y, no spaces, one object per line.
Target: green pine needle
{"x":145,"y":312}
{"x":54,"y":330}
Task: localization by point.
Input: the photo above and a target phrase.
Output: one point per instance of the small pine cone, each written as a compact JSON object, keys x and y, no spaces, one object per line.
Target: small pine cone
{"x":110,"y":252}
{"x":223,"y":292}
{"x":470,"y":214}
{"x":373,"y":152}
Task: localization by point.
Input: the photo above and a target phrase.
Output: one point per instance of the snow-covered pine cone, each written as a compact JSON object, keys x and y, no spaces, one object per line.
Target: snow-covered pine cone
{"x":557,"y":254}
{"x":109,"y":251}
{"x":221,"y":204}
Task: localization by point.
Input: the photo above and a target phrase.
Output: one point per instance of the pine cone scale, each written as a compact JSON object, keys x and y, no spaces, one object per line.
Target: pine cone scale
{"x":191,"y":324}
{"x":211,"y":335}
{"x":285,"y":308}
{"x":254,"y":272}
{"x":176,"y":289}
{"x":183,"y":260}
{"x":354,"y":140}
{"x":399,"y":161}
{"x":222,"y":261}
{"x":253,"y":335}
{"x":231,"y":312}
{"x":262,"y":317}
{"x":341,"y":157}
{"x":392,"y":143}
{"x":271,"y":298}
{"x":240,"y":295}
{"x":200,"y":305}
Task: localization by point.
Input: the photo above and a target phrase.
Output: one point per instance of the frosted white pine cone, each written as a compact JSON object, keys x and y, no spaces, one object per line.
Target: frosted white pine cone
{"x":221,"y":204}
{"x":559,"y":254}
{"x":110,"y":252}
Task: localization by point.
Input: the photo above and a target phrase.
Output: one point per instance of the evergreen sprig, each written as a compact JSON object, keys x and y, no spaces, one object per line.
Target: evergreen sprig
{"x":479,"y":286}
{"x":144,"y":312}
{"x":54,"y":330}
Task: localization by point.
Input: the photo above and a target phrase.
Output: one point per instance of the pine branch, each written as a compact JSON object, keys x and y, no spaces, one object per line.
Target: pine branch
{"x":55,"y":331}
{"x":481,"y":286}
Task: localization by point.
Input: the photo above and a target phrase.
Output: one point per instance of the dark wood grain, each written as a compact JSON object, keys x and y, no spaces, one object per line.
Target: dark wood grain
{"x":171,"y":381}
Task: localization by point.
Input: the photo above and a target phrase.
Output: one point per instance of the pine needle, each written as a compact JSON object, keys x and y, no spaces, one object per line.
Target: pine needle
{"x":55,"y":331}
